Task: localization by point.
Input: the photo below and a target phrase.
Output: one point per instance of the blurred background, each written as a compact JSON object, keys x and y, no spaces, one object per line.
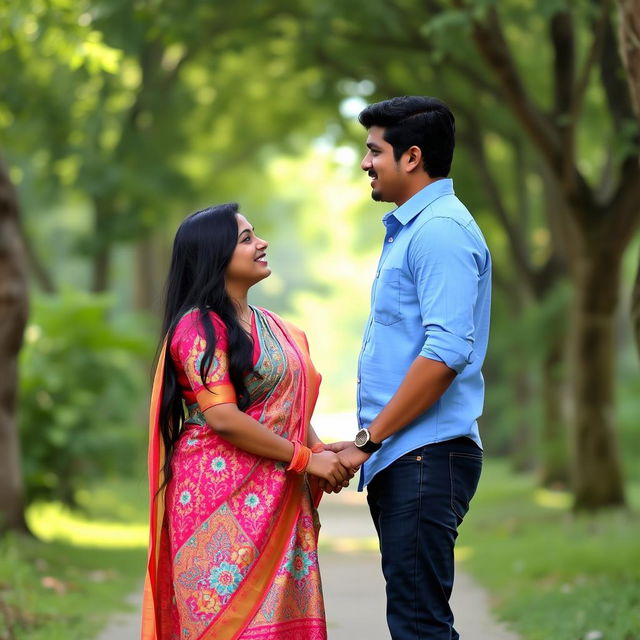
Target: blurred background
{"x":118,"y":118}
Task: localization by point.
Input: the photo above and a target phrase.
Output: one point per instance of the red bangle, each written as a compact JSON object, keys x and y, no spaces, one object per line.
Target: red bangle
{"x":318,"y":447}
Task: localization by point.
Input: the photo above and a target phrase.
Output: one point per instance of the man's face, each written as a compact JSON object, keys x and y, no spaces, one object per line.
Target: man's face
{"x":381,"y":166}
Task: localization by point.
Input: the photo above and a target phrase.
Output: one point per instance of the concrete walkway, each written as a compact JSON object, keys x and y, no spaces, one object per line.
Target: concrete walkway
{"x":353,"y":585}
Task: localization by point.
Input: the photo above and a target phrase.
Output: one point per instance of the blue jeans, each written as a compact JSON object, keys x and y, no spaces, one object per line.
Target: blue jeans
{"x":417,"y":504}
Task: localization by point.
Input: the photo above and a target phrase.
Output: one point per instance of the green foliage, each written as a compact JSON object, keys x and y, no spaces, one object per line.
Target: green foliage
{"x":80,"y":396}
{"x":553,"y":575}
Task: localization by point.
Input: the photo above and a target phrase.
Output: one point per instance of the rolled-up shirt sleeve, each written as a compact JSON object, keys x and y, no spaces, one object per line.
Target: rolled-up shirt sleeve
{"x":444,"y":260}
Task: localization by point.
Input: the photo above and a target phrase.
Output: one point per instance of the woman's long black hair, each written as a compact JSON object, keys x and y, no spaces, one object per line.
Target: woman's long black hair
{"x":202,"y":249}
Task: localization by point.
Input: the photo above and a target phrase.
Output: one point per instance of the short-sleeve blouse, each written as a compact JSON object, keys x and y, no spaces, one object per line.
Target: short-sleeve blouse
{"x":187,"y":349}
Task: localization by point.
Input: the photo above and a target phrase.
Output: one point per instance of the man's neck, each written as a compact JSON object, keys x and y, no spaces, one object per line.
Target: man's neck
{"x":422,"y":181}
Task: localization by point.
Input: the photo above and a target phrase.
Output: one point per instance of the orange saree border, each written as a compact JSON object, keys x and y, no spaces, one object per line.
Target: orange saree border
{"x":224,"y":393}
{"x":156,"y":511}
{"x":312,"y":376}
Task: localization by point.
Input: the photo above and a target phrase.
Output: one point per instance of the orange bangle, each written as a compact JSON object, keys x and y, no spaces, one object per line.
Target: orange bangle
{"x":305,"y":456}
{"x":296,"y":452}
{"x":300,"y":458}
{"x":318,"y":447}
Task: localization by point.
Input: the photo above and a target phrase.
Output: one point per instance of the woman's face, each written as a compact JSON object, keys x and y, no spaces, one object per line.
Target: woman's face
{"x":248,"y":263}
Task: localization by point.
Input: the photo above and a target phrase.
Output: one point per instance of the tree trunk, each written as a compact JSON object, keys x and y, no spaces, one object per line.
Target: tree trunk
{"x":554,"y":465}
{"x":101,"y":267}
{"x":597,"y":476}
{"x":148,"y":283}
{"x":13,"y":318}
{"x":635,"y":308}
{"x":522,"y":449}
{"x":629,"y":39}
{"x":102,"y":257}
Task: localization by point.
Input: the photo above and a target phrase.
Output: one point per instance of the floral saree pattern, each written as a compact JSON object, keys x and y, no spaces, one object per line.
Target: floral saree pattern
{"x":233,"y":549}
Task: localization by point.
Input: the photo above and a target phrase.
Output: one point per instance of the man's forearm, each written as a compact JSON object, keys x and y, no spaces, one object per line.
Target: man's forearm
{"x":423,"y":384}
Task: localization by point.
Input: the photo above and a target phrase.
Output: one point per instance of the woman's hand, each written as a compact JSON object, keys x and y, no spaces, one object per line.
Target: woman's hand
{"x":326,"y":465}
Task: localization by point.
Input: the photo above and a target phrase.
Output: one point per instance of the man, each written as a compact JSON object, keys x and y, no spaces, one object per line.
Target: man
{"x":420,"y":389}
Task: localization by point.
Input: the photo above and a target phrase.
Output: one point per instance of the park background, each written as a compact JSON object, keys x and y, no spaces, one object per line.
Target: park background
{"x":118,"y":118}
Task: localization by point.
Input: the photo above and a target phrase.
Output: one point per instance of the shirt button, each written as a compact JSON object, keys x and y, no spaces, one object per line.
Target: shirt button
{"x":390,"y":239}
{"x":358,"y":380}
{"x":377,"y":274}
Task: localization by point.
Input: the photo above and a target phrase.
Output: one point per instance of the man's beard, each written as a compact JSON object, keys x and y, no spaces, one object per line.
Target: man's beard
{"x":376,"y":195}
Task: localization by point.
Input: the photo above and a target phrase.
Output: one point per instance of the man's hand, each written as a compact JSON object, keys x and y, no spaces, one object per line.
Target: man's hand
{"x":351,"y":457}
{"x":337,"y":447}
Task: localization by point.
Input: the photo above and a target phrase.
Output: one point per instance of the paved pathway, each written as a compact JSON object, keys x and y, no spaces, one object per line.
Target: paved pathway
{"x":353,"y":584}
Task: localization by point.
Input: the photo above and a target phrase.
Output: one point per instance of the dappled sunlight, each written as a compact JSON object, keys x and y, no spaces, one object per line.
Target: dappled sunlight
{"x":52,"y":521}
{"x":463,"y":553}
{"x":552,"y":499}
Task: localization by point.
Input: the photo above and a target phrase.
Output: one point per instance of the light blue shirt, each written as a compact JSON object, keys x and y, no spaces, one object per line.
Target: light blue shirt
{"x":431,"y":297}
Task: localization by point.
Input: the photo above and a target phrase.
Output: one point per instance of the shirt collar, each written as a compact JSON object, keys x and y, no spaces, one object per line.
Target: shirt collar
{"x":421,"y":200}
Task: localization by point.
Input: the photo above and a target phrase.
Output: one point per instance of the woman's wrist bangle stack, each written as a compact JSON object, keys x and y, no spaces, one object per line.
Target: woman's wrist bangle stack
{"x":300,"y":458}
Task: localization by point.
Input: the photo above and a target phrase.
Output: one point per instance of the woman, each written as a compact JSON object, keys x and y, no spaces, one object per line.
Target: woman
{"x":233,"y":549}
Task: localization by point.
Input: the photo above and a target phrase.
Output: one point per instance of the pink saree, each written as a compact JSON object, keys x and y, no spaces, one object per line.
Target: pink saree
{"x":233,"y":537}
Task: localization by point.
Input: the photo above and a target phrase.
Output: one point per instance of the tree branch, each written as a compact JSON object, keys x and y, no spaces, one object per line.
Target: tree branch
{"x":625,"y":206}
{"x":635,"y":308}
{"x":595,"y":52}
{"x":614,"y":78}
{"x":493,"y":47}
{"x":564,"y":61}
{"x":491,"y":43}
{"x":517,"y":245}
{"x":37,"y":269}
{"x":564,"y":64}
{"x":630,"y":46}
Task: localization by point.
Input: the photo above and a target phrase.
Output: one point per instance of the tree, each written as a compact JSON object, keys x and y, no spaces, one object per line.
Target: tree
{"x":629,"y":36}
{"x":13,"y":318}
{"x":598,"y":222}
{"x":550,"y":50}
{"x":147,"y":114}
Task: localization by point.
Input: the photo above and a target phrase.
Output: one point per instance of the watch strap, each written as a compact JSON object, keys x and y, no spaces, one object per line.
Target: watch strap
{"x":369,"y":446}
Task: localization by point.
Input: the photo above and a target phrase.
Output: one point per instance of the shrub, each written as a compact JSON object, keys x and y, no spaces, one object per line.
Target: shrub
{"x":83,"y":389}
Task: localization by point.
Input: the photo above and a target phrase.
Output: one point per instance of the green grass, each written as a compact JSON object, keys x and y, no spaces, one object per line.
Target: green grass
{"x":553,"y":575}
{"x":65,"y":588}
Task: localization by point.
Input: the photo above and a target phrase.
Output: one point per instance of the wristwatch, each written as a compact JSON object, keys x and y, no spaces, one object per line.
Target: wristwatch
{"x":364,"y":443}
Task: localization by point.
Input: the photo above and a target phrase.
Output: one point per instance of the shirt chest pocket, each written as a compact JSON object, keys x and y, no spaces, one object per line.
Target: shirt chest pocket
{"x":386,"y":306}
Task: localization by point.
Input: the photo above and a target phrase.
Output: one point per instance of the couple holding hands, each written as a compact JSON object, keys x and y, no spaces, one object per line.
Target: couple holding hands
{"x":236,"y":470}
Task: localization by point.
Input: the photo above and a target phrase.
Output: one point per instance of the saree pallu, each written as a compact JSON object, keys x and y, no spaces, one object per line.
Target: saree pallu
{"x":233,"y":541}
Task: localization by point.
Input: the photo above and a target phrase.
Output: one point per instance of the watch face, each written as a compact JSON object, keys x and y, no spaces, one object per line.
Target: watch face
{"x":362,"y":437}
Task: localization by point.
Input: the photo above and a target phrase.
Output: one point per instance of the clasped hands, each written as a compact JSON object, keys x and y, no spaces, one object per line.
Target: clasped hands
{"x":336,"y":465}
